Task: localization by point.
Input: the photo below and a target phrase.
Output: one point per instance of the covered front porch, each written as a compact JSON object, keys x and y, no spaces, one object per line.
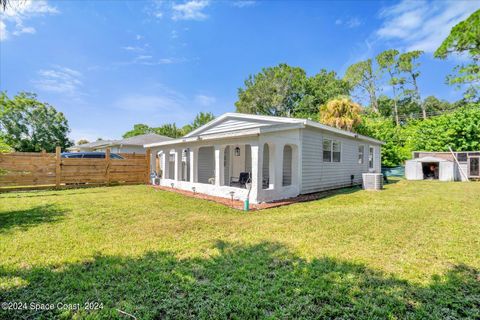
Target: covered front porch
{"x":258,"y":169}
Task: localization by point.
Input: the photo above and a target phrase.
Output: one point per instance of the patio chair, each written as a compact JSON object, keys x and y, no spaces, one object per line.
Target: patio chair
{"x":241,"y":181}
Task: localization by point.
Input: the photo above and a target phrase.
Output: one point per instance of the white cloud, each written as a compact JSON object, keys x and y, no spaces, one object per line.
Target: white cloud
{"x":422,"y":25}
{"x":244,"y":3}
{"x":3,"y":31}
{"x":143,"y":57}
{"x":191,"y":10}
{"x":133,"y":48}
{"x":204,"y":100}
{"x":354,"y":22}
{"x":18,"y":12}
{"x":21,"y":29}
{"x":59,"y":79}
{"x":349,"y":23}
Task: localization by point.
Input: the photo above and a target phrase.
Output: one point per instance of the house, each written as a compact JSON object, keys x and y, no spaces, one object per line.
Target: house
{"x":265,"y":158}
{"x":443,"y":166}
{"x":127,"y":145}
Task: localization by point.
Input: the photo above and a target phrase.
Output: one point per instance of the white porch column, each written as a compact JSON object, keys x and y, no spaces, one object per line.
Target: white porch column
{"x":257,"y":156}
{"x":164,"y":158}
{"x":278,"y":166}
{"x":219,"y":154}
{"x":178,"y":164}
{"x":193,"y":164}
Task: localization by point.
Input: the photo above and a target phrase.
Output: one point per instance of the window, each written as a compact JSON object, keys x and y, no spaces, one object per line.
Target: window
{"x":331,"y":151}
{"x":361,"y":154}
{"x":327,"y":150}
{"x":370,"y":158}
{"x":462,"y":157}
{"x":337,"y":150}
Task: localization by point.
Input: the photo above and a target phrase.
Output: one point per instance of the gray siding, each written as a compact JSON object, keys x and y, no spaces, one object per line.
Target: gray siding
{"x":318,"y":175}
{"x":248,"y":158}
{"x":206,"y":164}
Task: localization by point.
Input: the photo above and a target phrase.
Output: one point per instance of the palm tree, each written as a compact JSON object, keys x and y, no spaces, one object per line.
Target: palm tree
{"x":341,"y":113}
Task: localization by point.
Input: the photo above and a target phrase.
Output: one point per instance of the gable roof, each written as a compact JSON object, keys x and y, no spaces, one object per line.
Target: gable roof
{"x":261,"y":120}
{"x":142,"y":139}
{"x":240,"y":124}
{"x":92,"y":144}
{"x":139,"y":140}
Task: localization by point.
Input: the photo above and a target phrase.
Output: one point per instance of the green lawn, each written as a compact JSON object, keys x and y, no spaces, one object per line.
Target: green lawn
{"x":410,"y":251}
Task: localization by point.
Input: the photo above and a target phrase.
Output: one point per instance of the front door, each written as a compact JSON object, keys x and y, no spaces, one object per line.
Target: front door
{"x":474,"y":167}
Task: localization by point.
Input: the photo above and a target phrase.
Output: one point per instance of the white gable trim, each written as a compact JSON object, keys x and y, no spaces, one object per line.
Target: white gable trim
{"x":230,"y":134}
{"x":242,"y":116}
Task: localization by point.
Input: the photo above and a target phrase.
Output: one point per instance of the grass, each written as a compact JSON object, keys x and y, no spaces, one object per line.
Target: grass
{"x":410,"y":251}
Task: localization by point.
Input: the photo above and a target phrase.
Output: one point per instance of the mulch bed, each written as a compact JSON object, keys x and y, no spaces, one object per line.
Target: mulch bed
{"x":236,"y":204}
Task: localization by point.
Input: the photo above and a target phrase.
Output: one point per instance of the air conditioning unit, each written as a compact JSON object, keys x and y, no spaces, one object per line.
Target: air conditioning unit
{"x":372,"y":181}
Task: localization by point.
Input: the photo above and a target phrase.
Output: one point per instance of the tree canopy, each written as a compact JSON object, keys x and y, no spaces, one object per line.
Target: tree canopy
{"x":464,"y":38}
{"x":275,"y":91}
{"x":170,"y":129}
{"x":200,"y":119}
{"x":27,"y":124}
{"x":82,"y":141}
{"x":362,"y":75}
{"x":287,"y":91}
{"x":138,"y":129}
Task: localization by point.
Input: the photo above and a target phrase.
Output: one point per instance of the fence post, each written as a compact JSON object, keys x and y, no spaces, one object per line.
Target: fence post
{"x":107,"y":166}
{"x":147,"y":170}
{"x":58,"y":166}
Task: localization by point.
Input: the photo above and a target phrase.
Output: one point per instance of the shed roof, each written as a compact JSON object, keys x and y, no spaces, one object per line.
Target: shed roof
{"x":430,"y":159}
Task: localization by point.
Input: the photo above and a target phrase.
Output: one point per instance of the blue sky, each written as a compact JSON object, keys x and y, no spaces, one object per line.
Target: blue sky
{"x":110,"y":64}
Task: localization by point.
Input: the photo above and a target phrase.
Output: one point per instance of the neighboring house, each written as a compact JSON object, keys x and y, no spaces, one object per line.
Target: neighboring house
{"x":89,"y":147}
{"x":283,"y":157}
{"x":128,"y":145}
{"x":443,"y":166}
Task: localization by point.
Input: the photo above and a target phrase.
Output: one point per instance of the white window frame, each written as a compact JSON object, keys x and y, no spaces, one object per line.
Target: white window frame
{"x":371,"y":161}
{"x":323,"y":150}
{"x":339,"y":143}
{"x":361,"y":154}
{"x":331,"y":143}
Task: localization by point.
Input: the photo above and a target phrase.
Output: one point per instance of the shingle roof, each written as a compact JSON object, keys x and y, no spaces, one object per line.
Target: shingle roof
{"x":95,"y":143}
{"x":142,"y":139}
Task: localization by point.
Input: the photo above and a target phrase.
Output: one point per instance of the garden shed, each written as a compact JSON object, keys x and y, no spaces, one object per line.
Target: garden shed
{"x":431,"y":168}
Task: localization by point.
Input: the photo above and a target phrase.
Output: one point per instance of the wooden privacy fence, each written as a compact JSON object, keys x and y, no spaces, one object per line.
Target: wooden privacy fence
{"x":36,"y":170}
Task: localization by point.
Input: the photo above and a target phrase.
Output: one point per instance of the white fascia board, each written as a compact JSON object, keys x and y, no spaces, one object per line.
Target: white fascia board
{"x":217,"y":136}
{"x":342,"y":132}
{"x":231,"y":134}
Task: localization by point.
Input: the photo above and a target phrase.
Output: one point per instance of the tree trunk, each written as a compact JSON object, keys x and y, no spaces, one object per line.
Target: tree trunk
{"x":395,"y":107}
{"x":373,"y":100}
{"x":419,"y":100}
